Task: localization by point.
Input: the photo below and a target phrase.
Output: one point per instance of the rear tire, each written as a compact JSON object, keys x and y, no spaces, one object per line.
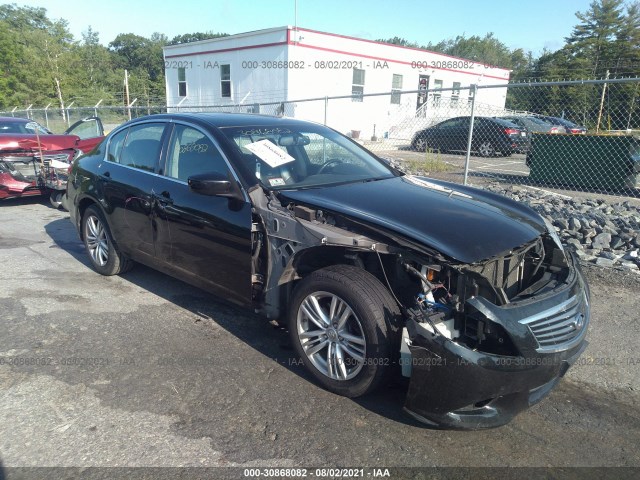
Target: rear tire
{"x":105,"y":257}
{"x":486,"y":149}
{"x":345,"y":325}
{"x":56,"y":198}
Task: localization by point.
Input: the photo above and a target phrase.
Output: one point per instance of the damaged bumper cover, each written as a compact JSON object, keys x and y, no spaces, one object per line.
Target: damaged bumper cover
{"x":453,"y":386}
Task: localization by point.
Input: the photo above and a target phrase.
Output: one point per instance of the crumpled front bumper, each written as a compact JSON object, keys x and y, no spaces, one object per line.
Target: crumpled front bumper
{"x":455,"y":387}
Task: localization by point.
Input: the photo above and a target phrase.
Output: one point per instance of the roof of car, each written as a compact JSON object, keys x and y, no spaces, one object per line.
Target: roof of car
{"x":233,"y":119}
{"x":15,"y":119}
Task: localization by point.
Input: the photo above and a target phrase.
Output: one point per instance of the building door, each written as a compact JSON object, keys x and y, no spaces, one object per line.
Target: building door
{"x":423,"y":87}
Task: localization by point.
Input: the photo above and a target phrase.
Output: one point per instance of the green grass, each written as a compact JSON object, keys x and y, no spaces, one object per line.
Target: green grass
{"x":432,"y":162}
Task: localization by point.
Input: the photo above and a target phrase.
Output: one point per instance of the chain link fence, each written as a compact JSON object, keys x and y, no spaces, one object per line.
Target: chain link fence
{"x":564,"y":136}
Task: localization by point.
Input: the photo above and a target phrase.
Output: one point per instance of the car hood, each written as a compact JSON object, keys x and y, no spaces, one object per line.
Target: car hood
{"x":463,"y":223}
{"x":28,"y":142}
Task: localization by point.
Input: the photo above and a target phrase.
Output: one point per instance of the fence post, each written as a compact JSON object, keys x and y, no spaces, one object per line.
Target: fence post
{"x":474,"y":90}
{"x":95,"y":108}
{"x":69,"y":113}
{"x":46,"y":115}
{"x":326,"y":104}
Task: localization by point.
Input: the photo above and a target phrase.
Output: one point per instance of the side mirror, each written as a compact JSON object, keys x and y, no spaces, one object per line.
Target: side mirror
{"x":214,"y":184}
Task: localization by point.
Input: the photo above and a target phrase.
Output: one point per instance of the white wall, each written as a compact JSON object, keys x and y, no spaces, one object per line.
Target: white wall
{"x":319,"y":65}
{"x":247,"y":83}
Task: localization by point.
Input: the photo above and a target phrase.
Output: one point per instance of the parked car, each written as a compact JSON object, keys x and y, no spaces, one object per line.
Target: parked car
{"x":34,"y":161}
{"x":471,"y":293}
{"x":568,"y":126}
{"x":533,"y":124}
{"x":490,"y":136}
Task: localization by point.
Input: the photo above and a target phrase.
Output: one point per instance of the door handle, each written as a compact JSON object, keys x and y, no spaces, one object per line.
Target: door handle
{"x":164,"y":198}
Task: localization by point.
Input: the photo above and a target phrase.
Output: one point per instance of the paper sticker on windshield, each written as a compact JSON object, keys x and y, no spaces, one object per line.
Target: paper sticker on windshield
{"x":271,"y":154}
{"x":276,"y":182}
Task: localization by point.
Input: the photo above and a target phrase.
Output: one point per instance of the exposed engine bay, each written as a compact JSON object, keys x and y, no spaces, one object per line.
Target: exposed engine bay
{"x":431,"y":289}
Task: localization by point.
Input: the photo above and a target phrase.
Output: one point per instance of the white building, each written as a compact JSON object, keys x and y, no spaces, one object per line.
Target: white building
{"x":288,"y":64}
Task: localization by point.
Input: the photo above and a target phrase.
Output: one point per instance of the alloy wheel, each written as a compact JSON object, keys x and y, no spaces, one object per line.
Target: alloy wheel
{"x":97,"y":240}
{"x":331,"y":335}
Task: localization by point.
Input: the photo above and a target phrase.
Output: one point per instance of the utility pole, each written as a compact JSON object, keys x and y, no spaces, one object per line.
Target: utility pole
{"x":604,"y":89}
{"x":126,"y":92}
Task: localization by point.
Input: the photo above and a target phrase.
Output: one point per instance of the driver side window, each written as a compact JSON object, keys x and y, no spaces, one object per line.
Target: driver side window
{"x":191,"y":152}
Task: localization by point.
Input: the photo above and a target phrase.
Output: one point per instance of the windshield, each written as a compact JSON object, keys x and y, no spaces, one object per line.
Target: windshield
{"x":22,"y":127}
{"x":304,"y":157}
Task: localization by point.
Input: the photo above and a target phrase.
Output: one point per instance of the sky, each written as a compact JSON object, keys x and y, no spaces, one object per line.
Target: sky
{"x":531,"y":26}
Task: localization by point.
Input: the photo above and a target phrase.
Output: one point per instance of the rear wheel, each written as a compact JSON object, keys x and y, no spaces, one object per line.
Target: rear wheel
{"x":486,"y":149}
{"x":344,"y":325}
{"x":103,"y":252}
{"x":56,"y":198}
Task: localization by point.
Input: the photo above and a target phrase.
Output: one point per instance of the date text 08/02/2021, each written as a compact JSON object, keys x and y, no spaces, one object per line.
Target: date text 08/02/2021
{"x":326,"y":64}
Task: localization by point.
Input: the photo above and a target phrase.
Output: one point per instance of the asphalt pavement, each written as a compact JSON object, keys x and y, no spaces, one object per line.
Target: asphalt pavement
{"x":144,"y":370}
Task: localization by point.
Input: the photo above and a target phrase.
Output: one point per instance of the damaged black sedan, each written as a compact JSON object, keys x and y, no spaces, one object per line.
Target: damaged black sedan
{"x":377,"y":273}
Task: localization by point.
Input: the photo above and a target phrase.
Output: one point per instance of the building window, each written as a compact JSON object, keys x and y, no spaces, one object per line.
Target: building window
{"x":455,"y":93}
{"x":357,"y":89}
{"x":396,"y":87}
{"x":182,"y":82}
{"x":437,"y":93}
{"x":225,"y":81}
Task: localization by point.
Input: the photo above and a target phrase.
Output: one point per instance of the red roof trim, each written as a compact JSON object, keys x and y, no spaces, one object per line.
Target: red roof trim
{"x":247,"y":47}
{"x":396,"y":61}
{"x":395,"y":46}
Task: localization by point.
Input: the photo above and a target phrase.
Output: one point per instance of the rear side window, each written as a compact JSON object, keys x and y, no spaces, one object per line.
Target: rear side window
{"x":192,"y":153}
{"x":137,"y":147}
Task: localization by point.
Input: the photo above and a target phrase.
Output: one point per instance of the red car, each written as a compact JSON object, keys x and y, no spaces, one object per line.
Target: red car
{"x":34,"y":161}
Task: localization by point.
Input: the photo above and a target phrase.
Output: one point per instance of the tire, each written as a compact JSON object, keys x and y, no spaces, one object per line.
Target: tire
{"x":105,"y":257}
{"x":56,"y":198}
{"x":420,"y":144}
{"x":486,"y":149}
{"x":356,"y":365}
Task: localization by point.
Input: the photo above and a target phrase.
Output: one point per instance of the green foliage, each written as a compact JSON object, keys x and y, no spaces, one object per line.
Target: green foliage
{"x":36,"y":50}
{"x":195,"y":37}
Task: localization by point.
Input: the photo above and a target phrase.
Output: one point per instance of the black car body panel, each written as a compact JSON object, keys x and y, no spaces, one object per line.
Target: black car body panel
{"x":569,"y":126}
{"x":481,"y":280}
{"x":439,"y":215}
{"x":453,"y":134}
{"x":456,"y":387}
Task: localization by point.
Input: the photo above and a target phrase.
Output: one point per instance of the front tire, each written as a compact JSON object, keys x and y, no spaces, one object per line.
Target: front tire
{"x":344,"y":324}
{"x":105,"y":257}
{"x":420,"y":144}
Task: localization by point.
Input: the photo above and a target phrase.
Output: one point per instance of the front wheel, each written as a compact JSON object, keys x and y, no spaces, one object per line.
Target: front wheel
{"x":344,"y":325}
{"x":103,"y":252}
{"x":420,"y":144}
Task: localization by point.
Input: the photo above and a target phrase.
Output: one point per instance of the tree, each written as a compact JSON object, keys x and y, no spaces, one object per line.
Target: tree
{"x":399,"y":41}
{"x":195,"y":37}
{"x":594,"y":37}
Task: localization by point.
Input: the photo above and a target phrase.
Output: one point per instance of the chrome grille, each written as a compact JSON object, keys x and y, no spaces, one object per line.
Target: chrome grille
{"x":559,"y":327}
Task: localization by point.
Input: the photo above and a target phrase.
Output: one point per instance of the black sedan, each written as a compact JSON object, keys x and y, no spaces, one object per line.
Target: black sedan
{"x":569,"y":126}
{"x":376,"y":273}
{"x":533,"y":124}
{"x":490,"y":136}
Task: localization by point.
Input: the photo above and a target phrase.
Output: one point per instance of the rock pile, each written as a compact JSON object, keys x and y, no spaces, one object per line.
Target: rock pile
{"x":605,"y":234}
